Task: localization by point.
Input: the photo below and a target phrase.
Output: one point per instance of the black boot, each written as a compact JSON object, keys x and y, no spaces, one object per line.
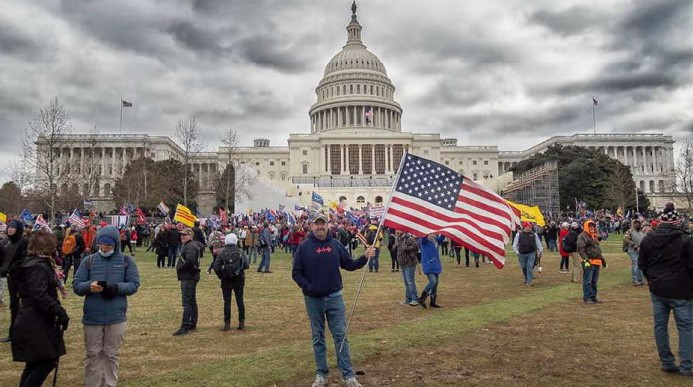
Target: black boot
{"x":422,"y":299}
{"x":183,"y":330}
{"x":226,"y":327}
{"x":433,"y":302}
{"x":241,"y":325}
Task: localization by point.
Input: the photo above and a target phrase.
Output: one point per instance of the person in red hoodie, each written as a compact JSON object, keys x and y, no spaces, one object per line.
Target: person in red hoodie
{"x":297,"y":236}
{"x":565,"y":256}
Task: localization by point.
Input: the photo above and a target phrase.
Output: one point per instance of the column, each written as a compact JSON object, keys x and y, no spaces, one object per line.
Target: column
{"x":329,"y":159}
{"x":391,"y":159}
{"x":123,"y":161}
{"x":346,"y":156}
{"x":339,"y":117}
{"x":654,"y":159}
{"x":103,"y":162}
{"x":353,"y":115}
{"x":635,"y":160}
{"x":360,"y":160}
{"x":373,"y":159}
{"x":342,"y":162}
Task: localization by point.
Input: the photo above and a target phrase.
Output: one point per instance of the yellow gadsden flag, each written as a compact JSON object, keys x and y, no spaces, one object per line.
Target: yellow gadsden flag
{"x":184,"y":215}
{"x":3,"y":218}
{"x":529,"y":214}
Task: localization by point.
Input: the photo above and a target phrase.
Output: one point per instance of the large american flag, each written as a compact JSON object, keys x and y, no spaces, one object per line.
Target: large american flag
{"x":76,"y":219}
{"x":431,"y":198}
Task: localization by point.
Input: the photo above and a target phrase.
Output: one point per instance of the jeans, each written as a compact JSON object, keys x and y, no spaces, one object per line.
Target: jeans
{"x":188,"y":289}
{"x":635,"y":272}
{"x":172,"y":250}
{"x":683,"y":316}
{"x":253,"y":254}
{"x":265,"y":262}
{"x":374,"y":263}
{"x":564,"y":263}
{"x":35,"y":372}
{"x":332,"y":308}
{"x":72,"y":260}
{"x":590,"y":277}
{"x":409,"y":284}
{"x":226,"y":294}
{"x":527,"y":266}
{"x":432,"y":286}
{"x":552,"y":245}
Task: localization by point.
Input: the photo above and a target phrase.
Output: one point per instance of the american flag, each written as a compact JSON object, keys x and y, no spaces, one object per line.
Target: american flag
{"x":431,"y":198}
{"x":362,"y":238}
{"x":40,"y":223}
{"x":76,"y":219}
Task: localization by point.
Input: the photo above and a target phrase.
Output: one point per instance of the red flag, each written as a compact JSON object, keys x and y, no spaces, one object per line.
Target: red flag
{"x":224,"y":217}
{"x":140,"y":216}
{"x":431,"y":198}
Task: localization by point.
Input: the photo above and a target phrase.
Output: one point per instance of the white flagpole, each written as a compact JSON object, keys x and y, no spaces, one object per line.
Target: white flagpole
{"x":363,"y":275}
{"x":594,"y":114}
{"x":121,"y":117}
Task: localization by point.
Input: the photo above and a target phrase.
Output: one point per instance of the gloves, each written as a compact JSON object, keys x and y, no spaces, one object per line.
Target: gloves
{"x":586,"y":264}
{"x":110,"y":290}
{"x":61,"y":318}
{"x":604,"y":264}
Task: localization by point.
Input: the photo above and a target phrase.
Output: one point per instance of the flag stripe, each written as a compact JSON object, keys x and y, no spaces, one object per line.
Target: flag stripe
{"x":474,"y":232}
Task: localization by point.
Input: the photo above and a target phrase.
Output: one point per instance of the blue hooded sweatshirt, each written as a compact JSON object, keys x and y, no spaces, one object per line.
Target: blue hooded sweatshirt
{"x":117,"y":268}
{"x":430,"y":260}
{"x":317,"y":263}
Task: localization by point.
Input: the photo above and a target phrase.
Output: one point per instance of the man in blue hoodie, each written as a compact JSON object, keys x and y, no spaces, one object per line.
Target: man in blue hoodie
{"x":316,"y":271}
{"x":105,"y":279}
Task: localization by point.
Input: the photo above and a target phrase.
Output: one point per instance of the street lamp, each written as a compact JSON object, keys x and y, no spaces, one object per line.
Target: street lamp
{"x":351,"y":181}
{"x":313,"y":181}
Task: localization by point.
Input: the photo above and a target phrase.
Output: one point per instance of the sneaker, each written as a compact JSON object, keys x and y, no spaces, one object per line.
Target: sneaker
{"x":404,"y":302}
{"x":412,"y":303}
{"x":182,"y":331}
{"x":597,"y":301}
{"x":670,"y":370}
{"x":589,"y":302}
{"x":320,"y":381}
{"x":540,"y":269}
{"x":352,"y":382}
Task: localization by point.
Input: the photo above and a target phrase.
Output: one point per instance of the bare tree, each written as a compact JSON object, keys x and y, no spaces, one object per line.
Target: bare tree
{"x":234,"y":180}
{"x":43,"y":146}
{"x":684,"y":174}
{"x":90,"y":172}
{"x":188,"y":133}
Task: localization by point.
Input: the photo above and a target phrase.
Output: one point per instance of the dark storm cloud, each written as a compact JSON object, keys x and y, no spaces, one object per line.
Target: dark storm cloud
{"x":13,"y":42}
{"x":272,"y":52}
{"x":195,"y":38}
{"x":570,"y":21}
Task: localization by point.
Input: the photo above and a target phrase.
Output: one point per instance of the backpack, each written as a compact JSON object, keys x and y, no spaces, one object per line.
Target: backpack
{"x":261,"y":243}
{"x":69,"y":244}
{"x":569,"y":242}
{"x":234,"y":267}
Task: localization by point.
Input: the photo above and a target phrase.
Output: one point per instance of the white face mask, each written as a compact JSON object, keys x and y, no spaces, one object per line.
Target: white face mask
{"x":104,"y":254}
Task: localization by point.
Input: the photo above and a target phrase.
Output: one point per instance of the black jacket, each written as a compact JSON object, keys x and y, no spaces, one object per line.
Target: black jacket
{"x":172,"y":238}
{"x":188,"y":264}
{"x":666,"y":260}
{"x":225,"y":258}
{"x":35,"y":335}
{"x":15,"y":253}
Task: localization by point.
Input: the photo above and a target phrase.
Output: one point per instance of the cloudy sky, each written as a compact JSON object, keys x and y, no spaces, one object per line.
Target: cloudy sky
{"x":506,"y":73}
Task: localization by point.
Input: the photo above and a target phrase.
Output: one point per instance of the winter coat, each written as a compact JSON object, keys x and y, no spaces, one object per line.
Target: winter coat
{"x":15,"y":250}
{"x":225,"y":258}
{"x":35,"y":335}
{"x":588,"y":246}
{"x":666,"y":260}
{"x":407,"y":250}
{"x":564,"y":232}
{"x":117,"y":268}
{"x":316,"y":266}
{"x":188,"y":264}
{"x":430,"y":260}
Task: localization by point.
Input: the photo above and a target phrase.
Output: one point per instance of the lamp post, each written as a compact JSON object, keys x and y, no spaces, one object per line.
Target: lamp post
{"x":313,"y":181}
{"x":351,"y":181}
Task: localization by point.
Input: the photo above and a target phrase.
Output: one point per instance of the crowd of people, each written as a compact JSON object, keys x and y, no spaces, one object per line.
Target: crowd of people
{"x":35,"y":265}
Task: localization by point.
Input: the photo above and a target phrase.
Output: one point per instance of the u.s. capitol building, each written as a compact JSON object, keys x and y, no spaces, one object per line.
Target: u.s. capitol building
{"x":354,"y":145}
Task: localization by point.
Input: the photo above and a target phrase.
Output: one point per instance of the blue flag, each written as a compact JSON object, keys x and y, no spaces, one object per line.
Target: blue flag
{"x":297,"y":207}
{"x":316,"y":200}
{"x":26,"y":216}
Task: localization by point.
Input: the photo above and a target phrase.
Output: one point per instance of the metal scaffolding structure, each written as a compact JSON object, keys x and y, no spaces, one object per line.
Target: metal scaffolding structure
{"x":537,"y":187}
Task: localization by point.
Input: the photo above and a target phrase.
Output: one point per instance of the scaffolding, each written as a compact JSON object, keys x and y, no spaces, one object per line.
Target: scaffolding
{"x":537,"y":187}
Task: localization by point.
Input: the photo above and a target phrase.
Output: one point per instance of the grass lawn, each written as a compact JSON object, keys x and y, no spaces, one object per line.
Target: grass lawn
{"x":492,"y":330}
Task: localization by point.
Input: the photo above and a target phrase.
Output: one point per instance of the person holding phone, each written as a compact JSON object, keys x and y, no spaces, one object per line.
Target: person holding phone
{"x":105,"y":279}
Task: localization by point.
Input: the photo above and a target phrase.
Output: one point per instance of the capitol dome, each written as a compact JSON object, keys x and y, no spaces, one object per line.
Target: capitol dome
{"x":355,"y":91}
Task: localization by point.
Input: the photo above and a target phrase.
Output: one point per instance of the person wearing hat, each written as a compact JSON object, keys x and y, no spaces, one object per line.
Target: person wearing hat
{"x":565,"y":256}
{"x":527,"y":246}
{"x":264,"y":245}
{"x":666,"y":260}
{"x":105,"y":279}
{"x":188,"y":272}
{"x":16,"y":248}
{"x":230,"y":267}
{"x":316,"y":271}
{"x":592,"y":261}
{"x":570,"y":246}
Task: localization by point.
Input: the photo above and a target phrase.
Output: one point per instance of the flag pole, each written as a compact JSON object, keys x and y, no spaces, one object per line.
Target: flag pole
{"x":594,"y":114}
{"x":363,"y":275}
{"x":120,"y":131}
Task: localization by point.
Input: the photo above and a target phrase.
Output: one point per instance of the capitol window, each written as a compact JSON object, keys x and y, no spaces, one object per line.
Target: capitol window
{"x":485,"y":162}
{"x":360,"y":200}
{"x":305,"y":152}
{"x":257,"y":163}
{"x":447,"y":162}
{"x":343,"y":89}
{"x":271,"y":163}
{"x":271,"y":175}
{"x":283,"y":175}
{"x":358,"y":89}
{"x":475,"y":176}
{"x":474,"y":163}
{"x":371,"y":89}
{"x":283,"y":163}
{"x":305,"y":169}
{"x":351,"y":89}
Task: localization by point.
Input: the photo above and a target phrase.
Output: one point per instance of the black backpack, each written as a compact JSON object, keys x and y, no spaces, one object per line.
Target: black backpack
{"x":569,"y":242}
{"x":235,"y":266}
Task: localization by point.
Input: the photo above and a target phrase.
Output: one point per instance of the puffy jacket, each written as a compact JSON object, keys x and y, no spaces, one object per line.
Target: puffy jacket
{"x":666,"y":260}
{"x":118,"y":268}
{"x":430,"y":260}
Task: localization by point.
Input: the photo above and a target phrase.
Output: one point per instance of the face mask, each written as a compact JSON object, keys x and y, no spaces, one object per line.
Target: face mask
{"x":104,"y":254}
